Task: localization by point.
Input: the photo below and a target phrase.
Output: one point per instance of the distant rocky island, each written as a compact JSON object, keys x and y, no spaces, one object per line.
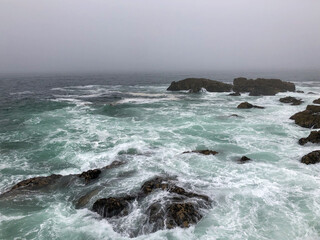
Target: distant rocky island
{"x":257,"y":87}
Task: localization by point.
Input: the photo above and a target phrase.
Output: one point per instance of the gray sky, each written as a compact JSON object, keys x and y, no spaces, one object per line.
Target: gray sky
{"x":162,"y":35}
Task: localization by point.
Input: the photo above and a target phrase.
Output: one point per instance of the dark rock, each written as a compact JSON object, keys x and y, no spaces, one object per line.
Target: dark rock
{"x":244,"y":159}
{"x":90,"y":175}
{"x":114,"y":164}
{"x":246,"y":105}
{"x":309,"y":118}
{"x":262,"y":87}
{"x":311,"y":158}
{"x":204,"y":152}
{"x":314,"y":137}
{"x":235,"y":94}
{"x":37,"y":182}
{"x":113,"y":207}
{"x":317,"y":101}
{"x":299,"y":91}
{"x":196,"y":84}
{"x":182,"y":215}
{"x":292,"y":100}
{"x":311,"y":93}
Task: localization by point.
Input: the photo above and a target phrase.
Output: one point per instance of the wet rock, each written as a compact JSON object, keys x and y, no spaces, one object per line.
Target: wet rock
{"x":90,"y":175}
{"x":309,"y":118}
{"x":235,"y":94}
{"x":182,"y":215}
{"x":114,"y":164}
{"x":261,"y":86}
{"x":311,"y":93}
{"x":292,"y":100}
{"x":204,"y":152}
{"x":234,"y":115}
{"x":113,"y":207}
{"x":314,"y":137}
{"x":243,"y":159}
{"x":311,"y":158}
{"x":87,"y":197}
{"x":317,"y":101}
{"x":299,"y":91}
{"x":246,"y":105}
{"x":37,"y":182}
{"x":196,"y":84}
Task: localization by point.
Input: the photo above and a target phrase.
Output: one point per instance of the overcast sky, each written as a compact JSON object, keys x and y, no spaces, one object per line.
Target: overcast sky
{"x":163,"y":35}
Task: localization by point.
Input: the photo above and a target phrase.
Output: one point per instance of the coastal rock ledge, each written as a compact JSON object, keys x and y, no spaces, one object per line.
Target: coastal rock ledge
{"x":261,"y":86}
{"x":196,"y":84}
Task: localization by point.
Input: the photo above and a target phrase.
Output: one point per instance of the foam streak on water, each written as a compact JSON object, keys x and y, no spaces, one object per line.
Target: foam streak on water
{"x":84,"y":127}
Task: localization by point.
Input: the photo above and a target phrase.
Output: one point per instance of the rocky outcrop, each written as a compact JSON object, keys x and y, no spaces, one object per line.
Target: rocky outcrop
{"x":90,"y":175}
{"x":235,"y":94}
{"x":204,"y":152}
{"x":309,"y":118}
{"x":292,"y":100}
{"x":243,"y":159}
{"x":113,"y":207}
{"x":196,"y":84}
{"x":311,"y":158}
{"x":314,"y":137}
{"x":180,"y":208}
{"x":261,"y":86}
{"x":317,"y":101}
{"x":246,"y":105}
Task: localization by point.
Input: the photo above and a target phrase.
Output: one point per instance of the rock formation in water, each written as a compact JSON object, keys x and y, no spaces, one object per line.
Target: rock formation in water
{"x":235,"y":94}
{"x":317,"y":101}
{"x":261,"y":86}
{"x":246,"y":105}
{"x":204,"y":152}
{"x":243,"y":159}
{"x":309,"y":118}
{"x":292,"y":100}
{"x":311,"y":158}
{"x":196,"y":84}
{"x":314,"y":137}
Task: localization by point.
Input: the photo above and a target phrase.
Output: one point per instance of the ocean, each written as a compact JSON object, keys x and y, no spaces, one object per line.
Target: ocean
{"x":68,"y":124}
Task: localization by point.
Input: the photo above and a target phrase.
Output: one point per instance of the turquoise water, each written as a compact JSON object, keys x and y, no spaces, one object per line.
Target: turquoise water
{"x":84,"y":127}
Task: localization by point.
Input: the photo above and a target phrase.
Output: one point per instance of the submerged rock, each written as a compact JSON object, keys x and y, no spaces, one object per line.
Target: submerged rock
{"x":311,"y":158}
{"x":299,"y":91}
{"x":235,"y":94}
{"x":204,"y":152}
{"x":309,"y":118}
{"x":292,"y":100}
{"x":261,"y":86}
{"x":314,"y":137}
{"x":243,"y":159}
{"x":37,"y":182}
{"x":112,"y":207}
{"x":196,"y":84}
{"x":317,"y":101}
{"x":246,"y":105}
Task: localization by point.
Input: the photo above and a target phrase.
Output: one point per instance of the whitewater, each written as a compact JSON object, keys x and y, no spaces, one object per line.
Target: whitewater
{"x":70,"y":129}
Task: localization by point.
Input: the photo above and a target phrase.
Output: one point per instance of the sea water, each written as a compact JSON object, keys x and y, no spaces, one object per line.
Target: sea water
{"x":67,"y":125}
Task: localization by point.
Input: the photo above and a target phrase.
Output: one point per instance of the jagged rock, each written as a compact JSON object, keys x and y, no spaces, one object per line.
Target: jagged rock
{"x":111,"y":207}
{"x":314,"y":137}
{"x":37,"y":182}
{"x":182,"y":215}
{"x":90,"y":175}
{"x":261,"y":86}
{"x":292,"y":100}
{"x":246,"y":105}
{"x":311,"y":158}
{"x":235,"y":94}
{"x":196,"y":84}
{"x":204,"y":152}
{"x":299,"y":91}
{"x":317,"y":101}
{"x":244,"y":159}
{"x":309,"y":118}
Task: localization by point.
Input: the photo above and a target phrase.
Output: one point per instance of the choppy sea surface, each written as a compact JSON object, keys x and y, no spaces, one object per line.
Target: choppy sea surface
{"x":67,"y":125}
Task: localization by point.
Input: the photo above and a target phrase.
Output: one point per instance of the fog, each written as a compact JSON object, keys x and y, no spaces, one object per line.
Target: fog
{"x":163,"y":35}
